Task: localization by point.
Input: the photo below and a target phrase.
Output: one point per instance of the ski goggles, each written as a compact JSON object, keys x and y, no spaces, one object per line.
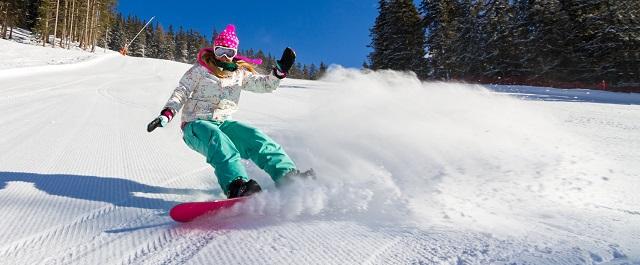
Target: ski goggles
{"x":220,"y":51}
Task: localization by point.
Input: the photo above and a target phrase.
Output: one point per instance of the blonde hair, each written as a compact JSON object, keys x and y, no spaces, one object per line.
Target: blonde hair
{"x":210,"y":59}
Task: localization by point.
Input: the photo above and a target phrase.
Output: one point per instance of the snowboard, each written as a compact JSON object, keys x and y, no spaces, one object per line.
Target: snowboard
{"x":188,"y":211}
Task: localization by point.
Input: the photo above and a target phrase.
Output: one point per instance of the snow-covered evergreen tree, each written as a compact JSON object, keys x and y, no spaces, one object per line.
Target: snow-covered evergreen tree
{"x":159,"y":42}
{"x":322,"y":69}
{"x":380,"y":38}
{"x":626,"y":14}
{"x":151,"y":46}
{"x":169,"y":46}
{"x":181,"y":52}
{"x":192,"y":46}
{"x":398,"y":38}
{"x":466,"y":43}
{"x":498,"y":48}
{"x":313,"y":72}
{"x":549,"y":39}
{"x":16,"y":13}
{"x":117,"y":35}
{"x":605,"y":38}
{"x":305,"y":72}
{"x":138,"y":46}
{"x":445,"y":33}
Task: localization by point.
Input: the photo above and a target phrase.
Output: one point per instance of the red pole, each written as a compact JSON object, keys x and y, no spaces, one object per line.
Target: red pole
{"x":604,"y":85}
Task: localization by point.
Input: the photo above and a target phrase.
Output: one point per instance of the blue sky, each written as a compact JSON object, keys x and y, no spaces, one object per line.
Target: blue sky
{"x":333,"y":31}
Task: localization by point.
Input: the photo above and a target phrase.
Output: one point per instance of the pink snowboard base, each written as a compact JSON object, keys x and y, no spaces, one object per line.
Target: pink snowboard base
{"x":186,"y":212}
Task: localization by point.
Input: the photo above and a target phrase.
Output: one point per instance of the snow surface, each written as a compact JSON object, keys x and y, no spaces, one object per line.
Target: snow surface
{"x":408,"y":172}
{"x":15,"y":55}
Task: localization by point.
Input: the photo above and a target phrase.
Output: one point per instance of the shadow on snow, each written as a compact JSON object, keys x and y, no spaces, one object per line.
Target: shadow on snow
{"x":117,"y":191}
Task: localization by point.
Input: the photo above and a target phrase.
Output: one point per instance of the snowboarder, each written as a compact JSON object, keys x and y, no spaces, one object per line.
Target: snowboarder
{"x":208,"y":94}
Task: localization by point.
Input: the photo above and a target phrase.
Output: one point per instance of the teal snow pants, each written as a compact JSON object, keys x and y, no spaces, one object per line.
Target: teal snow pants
{"x":225,"y":144}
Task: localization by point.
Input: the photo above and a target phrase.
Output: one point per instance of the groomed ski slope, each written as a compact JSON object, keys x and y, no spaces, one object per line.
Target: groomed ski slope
{"x":409,"y":172}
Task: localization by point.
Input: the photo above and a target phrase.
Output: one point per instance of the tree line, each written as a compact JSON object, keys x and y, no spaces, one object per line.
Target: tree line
{"x":183,"y":46}
{"x":16,"y":13}
{"x":566,"y":43}
{"x":91,"y":23}
{"x":63,"y":23}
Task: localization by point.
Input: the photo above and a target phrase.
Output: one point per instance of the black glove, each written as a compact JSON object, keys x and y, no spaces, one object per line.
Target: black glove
{"x":285,"y":63}
{"x":155,"y":123}
{"x":160,"y":121}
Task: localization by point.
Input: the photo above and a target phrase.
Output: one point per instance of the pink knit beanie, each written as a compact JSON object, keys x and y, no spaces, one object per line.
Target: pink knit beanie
{"x":227,"y":38}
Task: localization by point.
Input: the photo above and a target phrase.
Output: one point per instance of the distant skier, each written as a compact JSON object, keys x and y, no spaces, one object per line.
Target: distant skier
{"x":208,"y":94}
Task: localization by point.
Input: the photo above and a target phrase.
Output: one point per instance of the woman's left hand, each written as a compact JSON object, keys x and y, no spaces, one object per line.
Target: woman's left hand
{"x":285,"y":63}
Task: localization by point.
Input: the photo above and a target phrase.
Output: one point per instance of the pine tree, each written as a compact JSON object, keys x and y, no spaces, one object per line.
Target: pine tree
{"x":380,"y":38}
{"x":453,"y":38}
{"x":522,"y":30}
{"x":365,"y":65}
{"x":181,"y":51}
{"x":268,"y":62}
{"x":169,"y":45}
{"x":296,"y":71}
{"x":151,"y":46}
{"x":434,"y":15}
{"x":159,"y":42}
{"x":45,"y":18}
{"x":466,"y":45}
{"x":138,"y":46}
{"x":549,"y":40}
{"x":202,"y":42}
{"x":313,"y":72}
{"x":498,"y":43}
{"x":409,"y":34}
{"x":305,"y":72}
{"x":69,"y":21}
{"x":11,"y":16}
{"x":117,"y":37}
{"x":192,"y":46}
{"x":250,"y":52}
{"x":398,"y":38}
{"x":627,"y":17}
{"x":322,"y":70}
{"x":31,"y":14}
{"x":604,"y":39}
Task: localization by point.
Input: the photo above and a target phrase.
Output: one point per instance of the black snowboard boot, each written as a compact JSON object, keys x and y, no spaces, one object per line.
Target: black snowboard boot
{"x":241,"y":188}
{"x":296,"y":174}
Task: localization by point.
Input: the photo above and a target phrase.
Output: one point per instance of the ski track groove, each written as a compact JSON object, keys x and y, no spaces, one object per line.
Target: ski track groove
{"x":34,"y":241}
{"x":11,"y":116}
{"x":20,"y":131}
{"x":83,"y":249}
{"x":180,"y":249}
{"x":39,"y":92}
{"x":105,"y":92}
{"x":184,"y":247}
{"x":31,"y":242}
{"x":50,"y":116}
{"x":374,"y":256}
{"x":72,"y":254}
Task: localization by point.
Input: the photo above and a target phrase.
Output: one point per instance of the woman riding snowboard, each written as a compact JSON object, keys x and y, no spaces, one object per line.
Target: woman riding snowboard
{"x":208,"y":94}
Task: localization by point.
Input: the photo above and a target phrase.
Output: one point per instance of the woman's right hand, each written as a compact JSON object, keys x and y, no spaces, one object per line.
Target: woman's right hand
{"x":160,"y":121}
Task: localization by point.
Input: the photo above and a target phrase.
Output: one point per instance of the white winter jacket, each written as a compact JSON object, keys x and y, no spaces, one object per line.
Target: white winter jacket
{"x":204,"y":96}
